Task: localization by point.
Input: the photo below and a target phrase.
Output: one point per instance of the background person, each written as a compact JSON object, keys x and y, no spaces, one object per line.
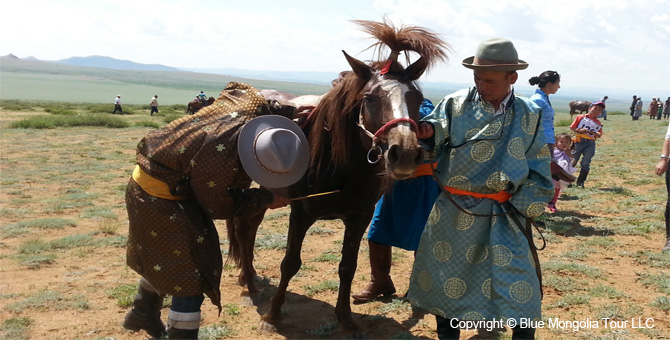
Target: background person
{"x":662,"y":168}
{"x":563,"y":158}
{"x":588,"y":128}
{"x":117,"y":104}
{"x":666,"y":109}
{"x":398,"y":221}
{"x":548,"y":82}
{"x":154,"y":104}
{"x":493,"y":164}
{"x":189,"y":173}
{"x":652,"y":111}
{"x":638,"y":109}
{"x":632,"y":105}
{"x":604,"y":114}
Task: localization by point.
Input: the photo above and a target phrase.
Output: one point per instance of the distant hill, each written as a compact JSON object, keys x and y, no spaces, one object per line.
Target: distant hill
{"x":29,"y":78}
{"x":115,"y":64}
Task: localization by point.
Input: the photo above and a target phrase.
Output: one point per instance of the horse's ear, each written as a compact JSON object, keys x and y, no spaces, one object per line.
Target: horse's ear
{"x":417,"y":68}
{"x":362,"y":70}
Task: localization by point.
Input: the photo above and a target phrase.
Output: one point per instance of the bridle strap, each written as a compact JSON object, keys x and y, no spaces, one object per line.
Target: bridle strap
{"x":385,"y":128}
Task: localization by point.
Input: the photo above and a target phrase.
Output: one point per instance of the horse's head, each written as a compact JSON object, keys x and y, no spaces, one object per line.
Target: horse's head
{"x":389,"y":113}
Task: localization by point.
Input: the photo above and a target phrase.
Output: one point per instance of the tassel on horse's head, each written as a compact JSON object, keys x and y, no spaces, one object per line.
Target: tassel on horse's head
{"x":393,"y":57}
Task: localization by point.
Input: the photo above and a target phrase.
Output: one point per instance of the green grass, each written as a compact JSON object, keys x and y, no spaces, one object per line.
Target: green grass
{"x":48,"y":300}
{"x":16,"y":328}
{"x":328,"y":285}
{"x":328,"y":256}
{"x":660,"y":281}
{"x":123,"y":295}
{"x":662,"y":303}
{"x":52,"y":122}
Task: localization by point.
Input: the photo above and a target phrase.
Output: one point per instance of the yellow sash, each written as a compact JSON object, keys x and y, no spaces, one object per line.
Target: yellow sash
{"x":154,"y":187}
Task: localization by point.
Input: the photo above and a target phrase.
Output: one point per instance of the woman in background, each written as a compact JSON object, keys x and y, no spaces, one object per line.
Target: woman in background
{"x":548,"y":82}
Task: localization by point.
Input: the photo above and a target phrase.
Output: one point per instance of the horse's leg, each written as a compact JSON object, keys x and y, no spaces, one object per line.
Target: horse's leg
{"x":353,"y":233}
{"x":289,"y":267}
{"x":246,"y":228}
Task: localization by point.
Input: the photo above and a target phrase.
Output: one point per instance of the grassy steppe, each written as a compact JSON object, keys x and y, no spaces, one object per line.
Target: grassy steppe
{"x":63,"y":230}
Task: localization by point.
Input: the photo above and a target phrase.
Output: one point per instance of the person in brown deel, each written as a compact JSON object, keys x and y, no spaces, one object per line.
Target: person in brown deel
{"x":188,"y":173}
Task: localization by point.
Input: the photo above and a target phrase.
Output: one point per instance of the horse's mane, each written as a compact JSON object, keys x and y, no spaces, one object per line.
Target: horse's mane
{"x":335,"y":114}
{"x":331,"y":119}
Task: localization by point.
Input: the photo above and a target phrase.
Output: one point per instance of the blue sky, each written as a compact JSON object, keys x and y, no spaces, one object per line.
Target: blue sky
{"x":610,"y":44}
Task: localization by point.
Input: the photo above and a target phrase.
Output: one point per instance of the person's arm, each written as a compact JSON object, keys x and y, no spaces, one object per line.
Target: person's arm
{"x":662,"y":165}
{"x":574,"y":126}
{"x":532,"y":195}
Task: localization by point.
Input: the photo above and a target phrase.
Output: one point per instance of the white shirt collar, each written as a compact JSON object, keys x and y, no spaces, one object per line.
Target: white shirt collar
{"x":503,"y":104}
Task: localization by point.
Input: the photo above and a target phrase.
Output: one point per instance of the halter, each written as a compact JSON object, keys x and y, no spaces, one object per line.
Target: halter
{"x":382,"y":132}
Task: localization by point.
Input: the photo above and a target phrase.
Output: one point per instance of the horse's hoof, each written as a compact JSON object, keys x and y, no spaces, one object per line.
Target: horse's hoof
{"x":267,"y":327}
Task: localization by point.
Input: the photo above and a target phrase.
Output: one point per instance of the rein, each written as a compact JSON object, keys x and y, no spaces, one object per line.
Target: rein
{"x":379,"y":135}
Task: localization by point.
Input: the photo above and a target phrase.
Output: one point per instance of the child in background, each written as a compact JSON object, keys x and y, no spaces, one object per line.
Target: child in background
{"x":563,"y":157}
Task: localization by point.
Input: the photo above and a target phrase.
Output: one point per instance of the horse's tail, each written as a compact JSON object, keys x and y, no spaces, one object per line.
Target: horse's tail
{"x":234,"y":251}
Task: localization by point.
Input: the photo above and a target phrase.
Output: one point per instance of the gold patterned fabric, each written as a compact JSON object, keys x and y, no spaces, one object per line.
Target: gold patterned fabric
{"x":481,"y":267}
{"x":173,"y":243}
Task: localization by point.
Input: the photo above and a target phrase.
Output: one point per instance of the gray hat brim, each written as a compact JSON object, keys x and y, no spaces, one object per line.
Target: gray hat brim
{"x":469,"y":63}
{"x":246,"y":152}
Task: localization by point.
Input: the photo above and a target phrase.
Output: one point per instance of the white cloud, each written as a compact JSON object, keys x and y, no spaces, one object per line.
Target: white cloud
{"x":615,"y":43}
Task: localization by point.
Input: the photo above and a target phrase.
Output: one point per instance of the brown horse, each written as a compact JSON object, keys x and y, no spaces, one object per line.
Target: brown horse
{"x":361,"y":135}
{"x":578,"y":105}
{"x":196,"y":105}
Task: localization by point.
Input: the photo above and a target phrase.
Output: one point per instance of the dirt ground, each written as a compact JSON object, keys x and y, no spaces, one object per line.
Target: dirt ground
{"x":39,"y":168}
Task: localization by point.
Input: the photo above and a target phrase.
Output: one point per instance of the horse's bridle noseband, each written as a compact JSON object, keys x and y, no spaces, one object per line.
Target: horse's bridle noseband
{"x":379,"y":135}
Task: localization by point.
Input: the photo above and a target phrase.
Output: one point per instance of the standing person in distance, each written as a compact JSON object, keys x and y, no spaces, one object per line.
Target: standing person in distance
{"x":117,"y":104}
{"x":632,"y":106}
{"x":638,"y":109}
{"x":154,"y":104}
{"x":588,"y":128}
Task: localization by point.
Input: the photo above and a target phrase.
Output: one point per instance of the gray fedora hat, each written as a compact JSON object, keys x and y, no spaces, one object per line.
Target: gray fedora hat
{"x":273,"y":151}
{"x":497,"y":54}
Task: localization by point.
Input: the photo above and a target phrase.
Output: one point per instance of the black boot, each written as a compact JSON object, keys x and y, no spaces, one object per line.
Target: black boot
{"x":582,"y":178}
{"x":444,"y":329}
{"x":182,"y":334}
{"x":146,"y":312}
{"x":519,"y":333}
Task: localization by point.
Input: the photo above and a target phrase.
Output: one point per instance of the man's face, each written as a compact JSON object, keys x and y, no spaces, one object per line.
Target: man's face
{"x":493,"y":86}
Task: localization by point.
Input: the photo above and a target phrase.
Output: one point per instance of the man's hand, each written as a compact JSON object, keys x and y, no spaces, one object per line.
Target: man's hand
{"x":661,"y":167}
{"x":425,"y":130}
{"x":278,"y":201}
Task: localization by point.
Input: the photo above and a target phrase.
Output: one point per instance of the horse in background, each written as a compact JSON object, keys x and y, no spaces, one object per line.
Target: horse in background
{"x":578,"y":105}
{"x":195,"y":105}
{"x":362,"y":135}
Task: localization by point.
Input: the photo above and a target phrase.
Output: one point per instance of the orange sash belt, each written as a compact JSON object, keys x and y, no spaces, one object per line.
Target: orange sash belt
{"x":501,"y":196}
{"x":154,"y":187}
{"x":424,"y":169}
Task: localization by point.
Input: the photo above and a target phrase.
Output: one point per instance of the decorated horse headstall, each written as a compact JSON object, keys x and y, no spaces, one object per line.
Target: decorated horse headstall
{"x":379,"y":135}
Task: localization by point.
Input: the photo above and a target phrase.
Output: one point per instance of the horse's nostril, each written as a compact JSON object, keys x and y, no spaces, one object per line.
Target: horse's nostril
{"x":393,"y":154}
